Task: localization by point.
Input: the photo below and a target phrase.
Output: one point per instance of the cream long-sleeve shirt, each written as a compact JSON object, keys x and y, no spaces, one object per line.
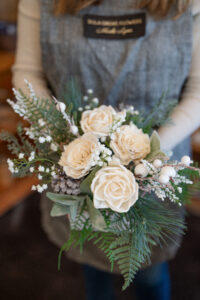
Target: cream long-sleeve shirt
{"x":185,"y":117}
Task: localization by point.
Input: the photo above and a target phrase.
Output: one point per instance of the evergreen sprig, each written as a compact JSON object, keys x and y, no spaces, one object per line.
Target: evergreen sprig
{"x":128,"y":240}
{"x":72,"y":97}
{"x":44,"y":109}
{"x":157,"y":116}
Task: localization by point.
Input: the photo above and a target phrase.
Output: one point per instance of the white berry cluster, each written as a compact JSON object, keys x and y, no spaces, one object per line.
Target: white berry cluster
{"x":39,"y":188}
{"x":32,"y":156}
{"x":159,"y":176}
{"x":119,"y":119}
{"x":105,"y":155}
{"x":48,"y":170}
{"x":129,"y":109}
{"x":11,"y":166}
{"x":43,"y":139}
{"x":91,"y":102}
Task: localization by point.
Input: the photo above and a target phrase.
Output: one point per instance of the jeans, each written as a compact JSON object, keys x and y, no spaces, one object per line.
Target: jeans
{"x":152,"y":283}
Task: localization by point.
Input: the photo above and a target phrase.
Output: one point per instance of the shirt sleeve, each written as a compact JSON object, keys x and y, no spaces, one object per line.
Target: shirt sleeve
{"x":28,"y":62}
{"x":186,"y":116}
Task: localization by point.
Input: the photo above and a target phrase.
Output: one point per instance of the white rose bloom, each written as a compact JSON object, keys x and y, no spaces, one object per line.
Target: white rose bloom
{"x":98,"y":121}
{"x":80,"y":155}
{"x":114,"y":187}
{"x":130,"y":144}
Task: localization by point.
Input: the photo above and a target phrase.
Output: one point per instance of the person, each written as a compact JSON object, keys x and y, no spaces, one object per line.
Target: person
{"x":161,"y":53}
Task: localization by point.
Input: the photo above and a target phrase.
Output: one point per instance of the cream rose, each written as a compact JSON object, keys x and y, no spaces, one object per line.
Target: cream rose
{"x":114,"y":187}
{"x":80,"y":155}
{"x":98,"y":121}
{"x":130,"y":144}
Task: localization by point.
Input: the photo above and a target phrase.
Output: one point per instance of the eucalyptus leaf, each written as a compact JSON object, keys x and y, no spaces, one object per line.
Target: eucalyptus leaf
{"x":64,"y":199}
{"x":157,"y":155}
{"x":96,"y":217}
{"x":73,"y":211}
{"x":155,"y":141}
{"x":59,"y":210}
{"x":85,"y":185}
{"x":64,"y":206}
{"x":155,"y":152}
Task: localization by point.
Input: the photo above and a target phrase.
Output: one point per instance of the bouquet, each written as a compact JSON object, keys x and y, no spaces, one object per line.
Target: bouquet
{"x":106,"y":172}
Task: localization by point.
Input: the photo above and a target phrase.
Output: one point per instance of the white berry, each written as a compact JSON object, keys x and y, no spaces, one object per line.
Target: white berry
{"x":53,"y":147}
{"x":95,"y":100}
{"x":169,"y":171}
{"x":163,"y":179}
{"x":90,"y":91}
{"x":186,"y":160}
{"x":141,"y":170}
{"x":61,"y":106}
{"x":157,"y":163}
{"x":74,"y":129}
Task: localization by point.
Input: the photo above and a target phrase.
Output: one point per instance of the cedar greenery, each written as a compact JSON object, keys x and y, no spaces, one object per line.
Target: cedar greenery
{"x":149,"y":223}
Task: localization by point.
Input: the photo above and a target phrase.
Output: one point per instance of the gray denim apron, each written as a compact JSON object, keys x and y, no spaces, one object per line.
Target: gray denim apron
{"x":133,"y":71}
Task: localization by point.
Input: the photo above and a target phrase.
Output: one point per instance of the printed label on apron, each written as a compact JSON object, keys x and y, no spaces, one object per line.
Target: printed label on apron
{"x":114,"y":27}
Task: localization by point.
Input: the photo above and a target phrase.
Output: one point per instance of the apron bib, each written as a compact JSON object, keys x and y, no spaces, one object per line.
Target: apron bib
{"x":135,"y":71}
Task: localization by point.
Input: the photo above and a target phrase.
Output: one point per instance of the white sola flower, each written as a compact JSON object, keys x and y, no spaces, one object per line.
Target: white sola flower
{"x":80,"y":156}
{"x":129,"y":143}
{"x":114,"y":187}
{"x":99,"y":121}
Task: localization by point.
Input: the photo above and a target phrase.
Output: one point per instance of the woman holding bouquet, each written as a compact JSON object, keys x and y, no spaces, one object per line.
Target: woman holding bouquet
{"x":129,"y":52}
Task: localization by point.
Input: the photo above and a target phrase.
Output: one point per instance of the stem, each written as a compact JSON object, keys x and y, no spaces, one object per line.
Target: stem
{"x":181,"y":165}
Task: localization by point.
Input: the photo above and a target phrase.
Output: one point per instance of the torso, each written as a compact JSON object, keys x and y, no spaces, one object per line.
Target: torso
{"x":134,"y":71}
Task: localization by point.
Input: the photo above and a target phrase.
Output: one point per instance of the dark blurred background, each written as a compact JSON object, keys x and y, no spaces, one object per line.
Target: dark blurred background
{"x":28,"y":261}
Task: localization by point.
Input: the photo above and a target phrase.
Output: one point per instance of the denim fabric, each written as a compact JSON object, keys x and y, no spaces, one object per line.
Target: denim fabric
{"x":152,"y":283}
